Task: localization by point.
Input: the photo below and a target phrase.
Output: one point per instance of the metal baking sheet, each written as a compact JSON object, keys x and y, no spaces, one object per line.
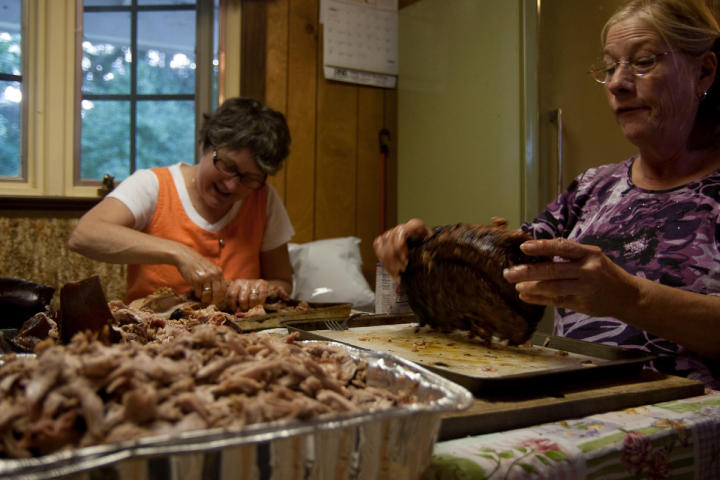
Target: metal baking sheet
{"x":546,"y":362}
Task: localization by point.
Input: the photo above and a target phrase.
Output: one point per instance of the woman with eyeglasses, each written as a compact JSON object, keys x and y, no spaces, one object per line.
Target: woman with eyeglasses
{"x":215,"y":228}
{"x":637,"y":243}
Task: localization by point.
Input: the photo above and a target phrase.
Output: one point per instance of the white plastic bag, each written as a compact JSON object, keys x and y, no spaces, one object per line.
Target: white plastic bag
{"x":330,"y":270}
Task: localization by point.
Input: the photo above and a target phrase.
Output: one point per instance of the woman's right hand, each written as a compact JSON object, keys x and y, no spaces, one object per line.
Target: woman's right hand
{"x":204,"y":277}
{"x":105,"y":233}
{"x":391,"y":247}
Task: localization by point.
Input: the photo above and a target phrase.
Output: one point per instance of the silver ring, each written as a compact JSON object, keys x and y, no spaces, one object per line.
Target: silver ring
{"x":207,"y":288}
{"x":254,"y":291}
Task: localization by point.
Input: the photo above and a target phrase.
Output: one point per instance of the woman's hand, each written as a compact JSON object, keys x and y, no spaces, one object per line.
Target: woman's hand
{"x":243,"y":294}
{"x":391,"y":247}
{"x":105,"y":233}
{"x":583,"y":279}
{"x":204,"y":277}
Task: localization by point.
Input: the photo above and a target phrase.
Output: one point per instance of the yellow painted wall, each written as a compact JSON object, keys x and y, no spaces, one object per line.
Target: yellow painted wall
{"x":460,"y":111}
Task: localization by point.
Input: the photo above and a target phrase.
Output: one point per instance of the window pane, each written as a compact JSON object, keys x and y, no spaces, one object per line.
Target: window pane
{"x":10,"y":14}
{"x":154,"y":98}
{"x":165,"y":133}
{"x":105,"y":139}
{"x":166,"y":2}
{"x":10,"y":89}
{"x":10,"y":132}
{"x":166,"y":44}
{"x":106,"y":53}
{"x":104,"y":3}
{"x":216,"y":48}
{"x":115,"y":3}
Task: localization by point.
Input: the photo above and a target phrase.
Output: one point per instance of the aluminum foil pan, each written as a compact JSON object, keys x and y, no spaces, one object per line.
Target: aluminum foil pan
{"x":392,"y":443}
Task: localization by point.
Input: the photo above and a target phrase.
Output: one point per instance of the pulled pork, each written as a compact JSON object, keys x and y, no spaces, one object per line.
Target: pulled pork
{"x":176,"y":377}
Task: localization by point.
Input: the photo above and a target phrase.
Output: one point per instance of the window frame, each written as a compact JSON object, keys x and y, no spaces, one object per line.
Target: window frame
{"x":23,"y":107}
{"x":133,"y":97}
{"x":51,"y":92}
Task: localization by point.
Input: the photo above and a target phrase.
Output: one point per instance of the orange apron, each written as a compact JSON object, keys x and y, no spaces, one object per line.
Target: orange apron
{"x":235,"y":248}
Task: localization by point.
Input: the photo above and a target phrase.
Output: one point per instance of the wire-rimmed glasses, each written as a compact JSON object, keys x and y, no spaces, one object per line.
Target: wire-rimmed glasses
{"x":228,"y":170}
{"x":603,"y":71}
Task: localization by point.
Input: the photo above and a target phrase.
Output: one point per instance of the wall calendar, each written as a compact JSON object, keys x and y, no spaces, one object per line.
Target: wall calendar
{"x":360,"y":41}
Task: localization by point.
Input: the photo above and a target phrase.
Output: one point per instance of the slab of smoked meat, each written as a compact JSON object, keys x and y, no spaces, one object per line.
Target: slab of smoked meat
{"x":83,"y":306}
{"x":454,"y":281}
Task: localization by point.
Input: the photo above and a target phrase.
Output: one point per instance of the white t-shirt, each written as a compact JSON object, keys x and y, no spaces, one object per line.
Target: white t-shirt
{"x":139,"y":192}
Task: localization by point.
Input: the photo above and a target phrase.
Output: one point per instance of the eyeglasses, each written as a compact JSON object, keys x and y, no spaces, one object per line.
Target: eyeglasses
{"x":639,"y":67}
{"x":228,"y":170}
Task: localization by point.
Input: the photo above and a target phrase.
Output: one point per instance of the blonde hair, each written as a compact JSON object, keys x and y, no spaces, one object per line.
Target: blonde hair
{"x":687,"y":27}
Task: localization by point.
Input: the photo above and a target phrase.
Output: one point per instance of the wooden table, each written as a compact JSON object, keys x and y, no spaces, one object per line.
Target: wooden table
{"x":503,"y":412}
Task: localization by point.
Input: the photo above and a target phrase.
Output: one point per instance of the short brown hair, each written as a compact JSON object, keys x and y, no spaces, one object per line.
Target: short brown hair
{"x":242,"y":122}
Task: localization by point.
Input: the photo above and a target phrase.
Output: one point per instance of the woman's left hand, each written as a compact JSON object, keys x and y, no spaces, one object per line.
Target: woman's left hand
{"x":243,"y":294}
{"x":584,"y":279}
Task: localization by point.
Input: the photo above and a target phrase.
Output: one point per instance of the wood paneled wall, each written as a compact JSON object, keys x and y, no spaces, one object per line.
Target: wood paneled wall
{"x":332,"y":182}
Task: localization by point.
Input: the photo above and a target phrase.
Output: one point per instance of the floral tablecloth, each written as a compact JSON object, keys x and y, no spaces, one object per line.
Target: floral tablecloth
{"x":679,"y":439}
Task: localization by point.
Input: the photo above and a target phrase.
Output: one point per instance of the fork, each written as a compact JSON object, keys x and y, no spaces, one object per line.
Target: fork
{"x":335,"y":325}
{"x":332,"y":324}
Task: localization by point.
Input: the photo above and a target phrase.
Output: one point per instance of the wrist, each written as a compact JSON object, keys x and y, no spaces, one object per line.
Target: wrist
{"x":638,"y":299}
{"x":177,"y":254}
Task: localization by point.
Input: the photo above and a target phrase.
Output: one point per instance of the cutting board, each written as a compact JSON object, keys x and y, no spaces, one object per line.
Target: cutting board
{"x":318,"y":312}
{"x":490,"y":413}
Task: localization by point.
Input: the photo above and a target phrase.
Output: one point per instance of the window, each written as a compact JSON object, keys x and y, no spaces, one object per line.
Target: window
{"x":75,"y":106}
{"x":140,"y":114}
{"x":11,"y":88}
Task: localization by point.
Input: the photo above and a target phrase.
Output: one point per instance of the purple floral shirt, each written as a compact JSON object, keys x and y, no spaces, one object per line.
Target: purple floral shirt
{"x":670,"y":236}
